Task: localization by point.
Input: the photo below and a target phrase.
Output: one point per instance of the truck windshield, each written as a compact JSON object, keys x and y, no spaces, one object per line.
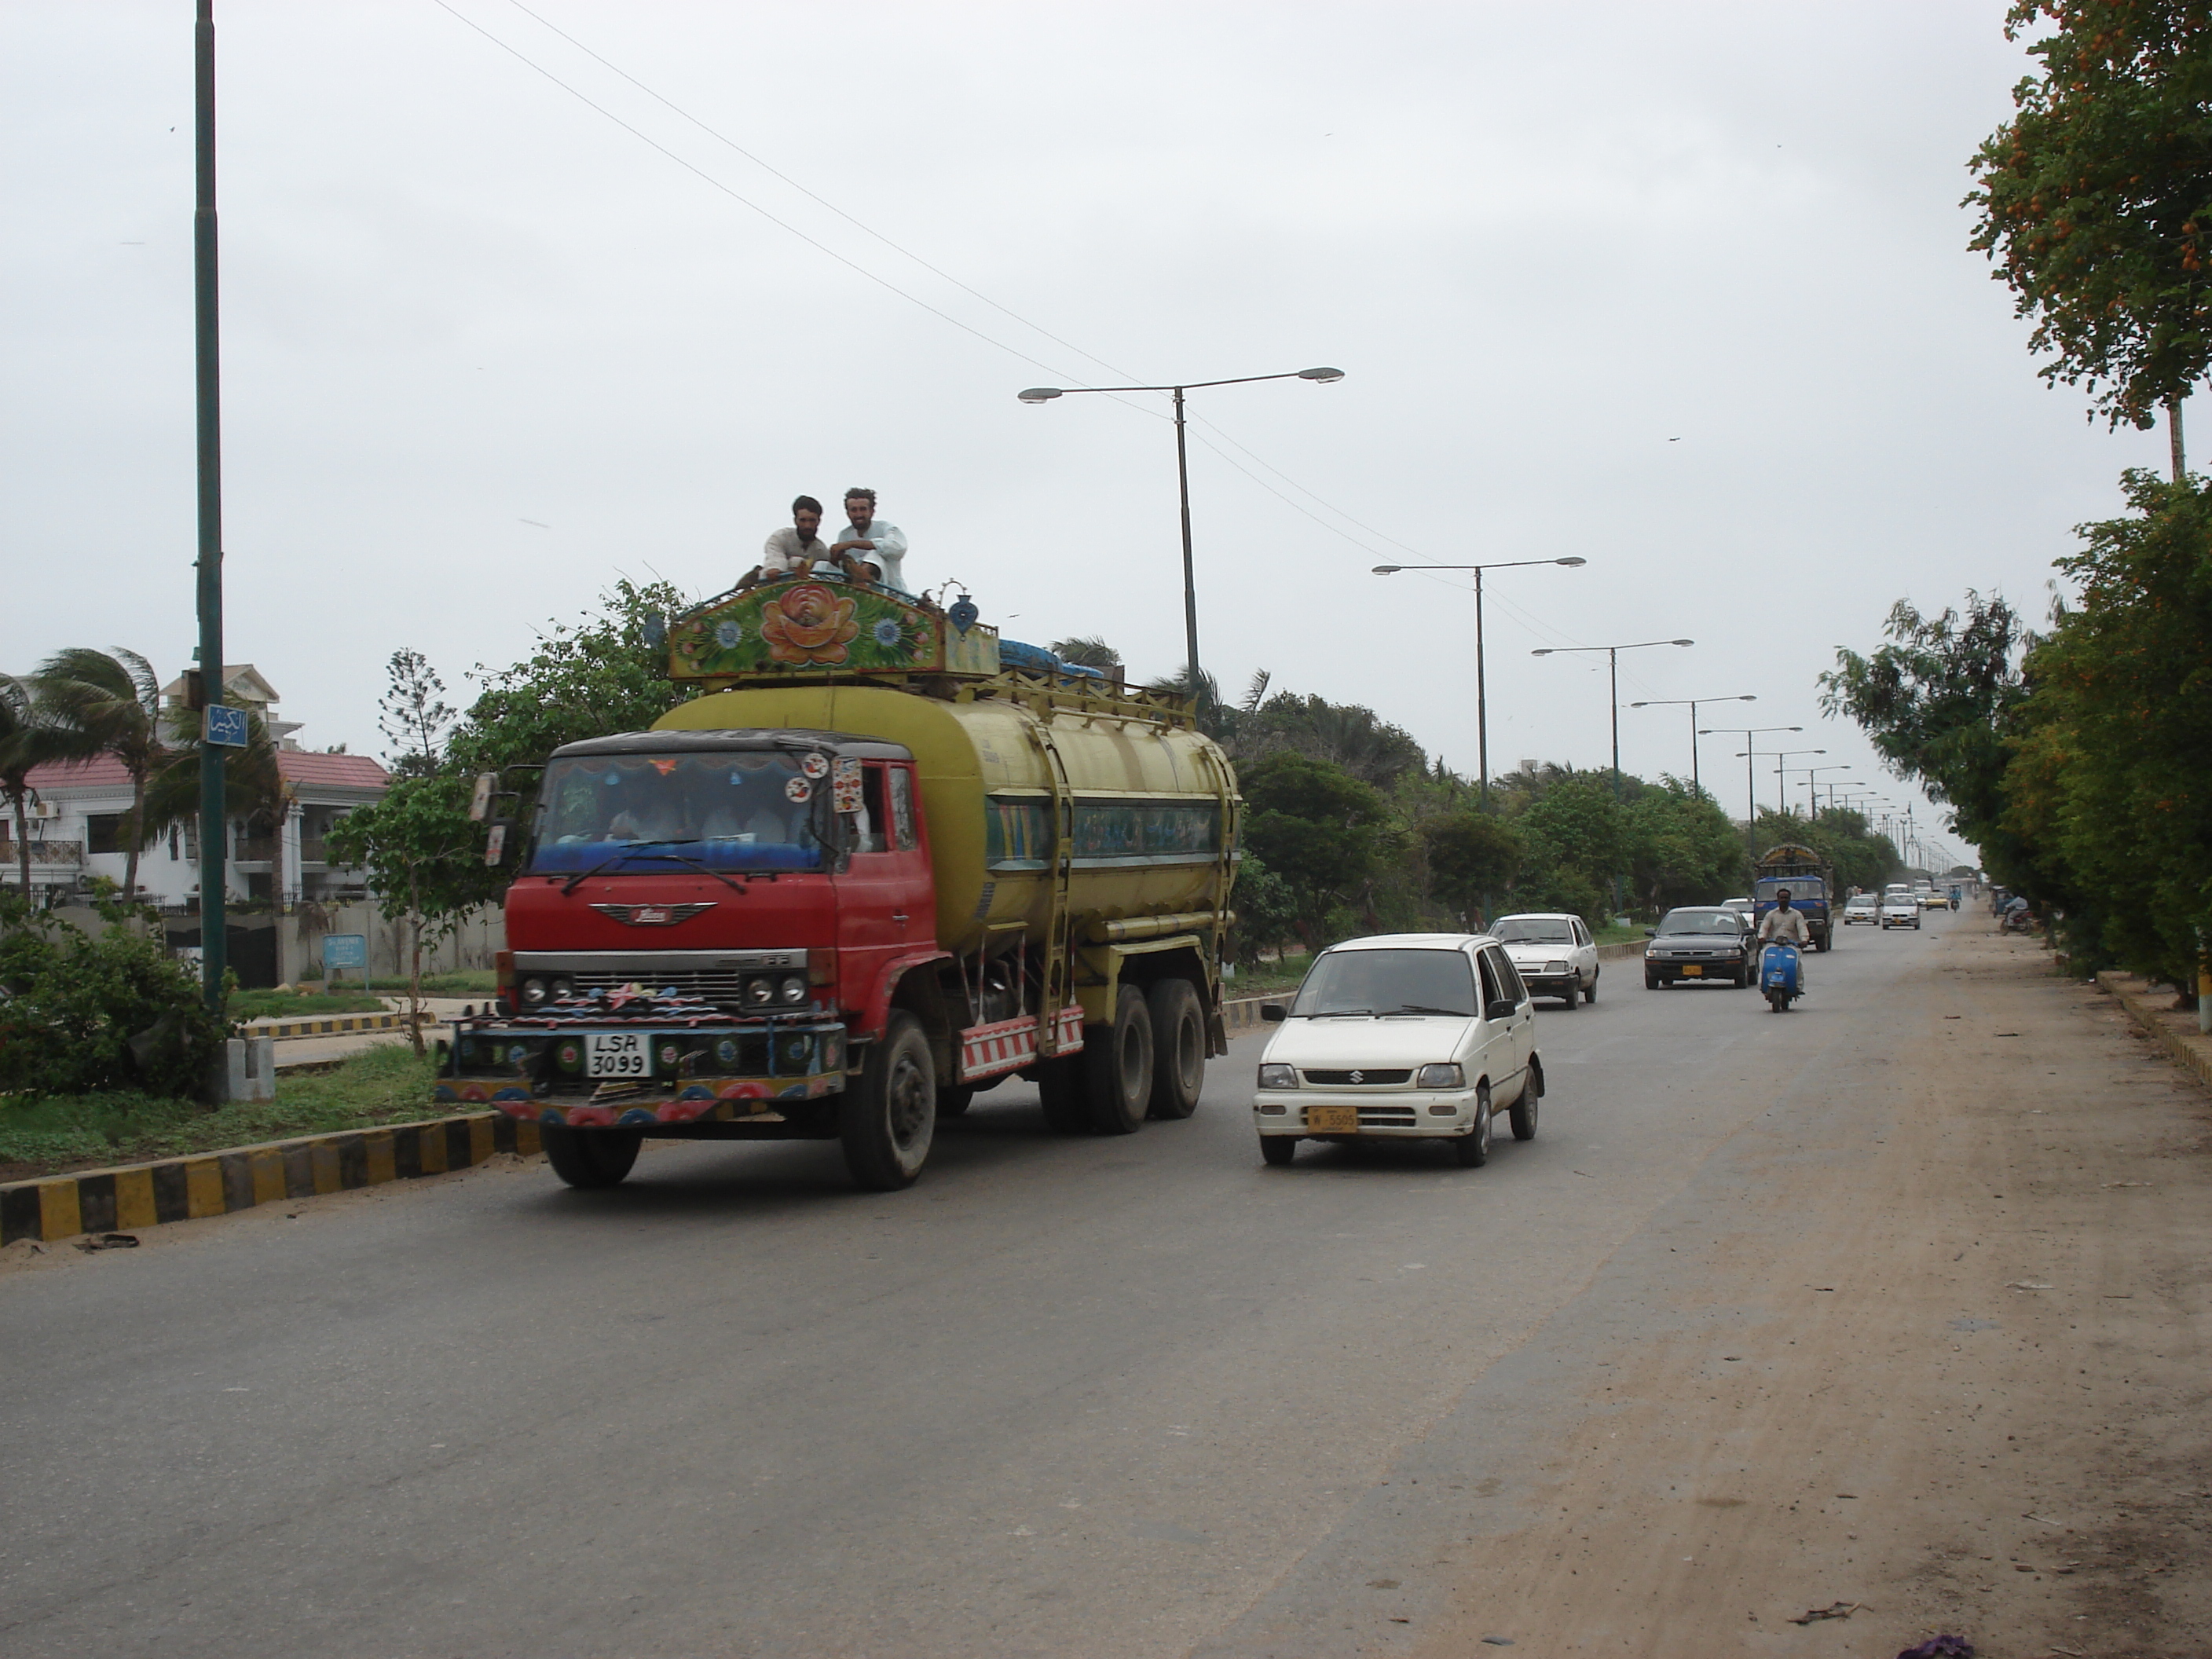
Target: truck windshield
{"x":740,"y":810}
{"x":1388,"y":983}
{"x":1802,"y":889}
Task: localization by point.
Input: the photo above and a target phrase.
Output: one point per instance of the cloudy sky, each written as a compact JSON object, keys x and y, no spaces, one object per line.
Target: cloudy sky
{"x":1681,"y":289}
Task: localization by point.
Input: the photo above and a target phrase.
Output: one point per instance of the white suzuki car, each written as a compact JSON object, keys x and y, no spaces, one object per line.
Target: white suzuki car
{"x":1402,"y":1036}
{"x":1554,"y":952}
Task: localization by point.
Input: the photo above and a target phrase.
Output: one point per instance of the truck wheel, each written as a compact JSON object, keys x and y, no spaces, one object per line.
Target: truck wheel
{"x":590,"y":1158}
{"x":1278,"y":1150}
{"x":1118,"y":1080}
{"x":1473,"y":1148}
{"x":887,"y":1119}
{"x":1061,"y":1092}
{"x":951,"y":1102}
{"x":1523,"y":1112}
{"x":1178,"y":1048}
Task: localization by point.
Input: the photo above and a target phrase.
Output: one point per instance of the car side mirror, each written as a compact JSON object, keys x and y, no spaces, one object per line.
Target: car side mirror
{"x":1651,"y":932}
{"x":1503,"y":1008}
{"x":1274,"y":1013}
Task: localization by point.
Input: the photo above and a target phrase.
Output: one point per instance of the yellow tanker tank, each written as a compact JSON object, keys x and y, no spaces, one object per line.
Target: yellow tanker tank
{"x":1090,"y":818}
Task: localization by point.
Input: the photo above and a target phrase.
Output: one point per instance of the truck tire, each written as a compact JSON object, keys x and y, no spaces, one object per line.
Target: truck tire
{"x":1060,"y":1092}
{"x":955,"y":1099}
{"x":1178,"y":1048}
{"x":590,"y":1159}
{"x":1118,"y":1080}
{"x":887,"y":1119}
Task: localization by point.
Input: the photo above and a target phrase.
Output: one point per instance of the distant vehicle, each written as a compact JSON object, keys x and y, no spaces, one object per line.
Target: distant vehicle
{"x":1553,"y":952}
{"x":1863,"y":907}
{"x":1932,"y":900}
{"x":1799,"y":869}
{"x":1899,"y":911}
{"x":1700,"y":943}
{"x":1743,"y":907}
{"x":1397,"y":1037}
{"x":1904,"y":888}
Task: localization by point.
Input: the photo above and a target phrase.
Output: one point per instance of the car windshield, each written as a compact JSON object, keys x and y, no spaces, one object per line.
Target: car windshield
{"x":1533,"y":930}
{"x":1388,"y":981}
{"x":1702,"y":922}
{"x":733,"y":809}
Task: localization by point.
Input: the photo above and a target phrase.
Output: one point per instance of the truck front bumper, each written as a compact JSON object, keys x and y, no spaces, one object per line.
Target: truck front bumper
{"x":727,"y":1072}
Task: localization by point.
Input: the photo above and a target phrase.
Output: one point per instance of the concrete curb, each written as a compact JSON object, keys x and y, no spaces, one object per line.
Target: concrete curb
{"x":2176,"y":1033}
{"x":137,"y":1195}
{"x":1244,"y":1013}
{"x":329,"y":1025}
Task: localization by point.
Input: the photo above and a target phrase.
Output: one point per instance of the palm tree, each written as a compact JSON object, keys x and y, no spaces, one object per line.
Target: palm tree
{"x":26,"y":739}
{"x":253,"y":787}
{"x":109,"y":703}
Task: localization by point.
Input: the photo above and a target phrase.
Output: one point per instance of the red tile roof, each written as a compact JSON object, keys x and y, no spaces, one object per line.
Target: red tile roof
{"x":299,"y":765}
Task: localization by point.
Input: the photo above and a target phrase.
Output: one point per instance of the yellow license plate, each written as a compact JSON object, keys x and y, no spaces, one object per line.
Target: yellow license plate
{"x":1333,"y":1119}
{"x":1693,"y":971}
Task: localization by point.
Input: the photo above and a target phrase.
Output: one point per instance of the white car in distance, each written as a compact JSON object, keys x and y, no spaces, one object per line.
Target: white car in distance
{"x":1402,"y":1037}
{"x":1553,"y":952}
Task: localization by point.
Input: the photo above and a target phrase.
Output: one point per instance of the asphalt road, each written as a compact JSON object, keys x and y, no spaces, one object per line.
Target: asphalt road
{"x":1138,"y":1396}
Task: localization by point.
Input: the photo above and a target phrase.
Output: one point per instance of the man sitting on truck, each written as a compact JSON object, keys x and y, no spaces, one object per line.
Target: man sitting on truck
{"x":798,"y":550}
{"x":883,"y":544}
{"x":1783,"y":923}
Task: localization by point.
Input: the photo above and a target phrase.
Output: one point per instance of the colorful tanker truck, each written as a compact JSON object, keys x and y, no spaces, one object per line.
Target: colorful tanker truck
{"x":869,"y":871}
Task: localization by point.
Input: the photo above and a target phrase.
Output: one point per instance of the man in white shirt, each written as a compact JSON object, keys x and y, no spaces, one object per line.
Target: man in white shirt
{"x":1783,"y":923}
{"x":882,"y":545}
{"x":798,"y":550}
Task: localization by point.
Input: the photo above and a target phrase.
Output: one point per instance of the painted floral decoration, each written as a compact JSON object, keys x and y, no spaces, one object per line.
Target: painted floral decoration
{"x":809,"y":624}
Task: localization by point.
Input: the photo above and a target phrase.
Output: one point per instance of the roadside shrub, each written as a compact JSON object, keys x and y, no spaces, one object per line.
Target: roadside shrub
{"x":79,"y":1013}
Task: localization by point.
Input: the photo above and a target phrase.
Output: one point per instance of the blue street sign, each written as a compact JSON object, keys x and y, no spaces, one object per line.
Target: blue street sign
{"x":226,"y":727}
{"x":345,"y":951}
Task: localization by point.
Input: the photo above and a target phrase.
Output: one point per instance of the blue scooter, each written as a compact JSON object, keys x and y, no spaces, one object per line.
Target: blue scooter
{"x":1780,"y":975}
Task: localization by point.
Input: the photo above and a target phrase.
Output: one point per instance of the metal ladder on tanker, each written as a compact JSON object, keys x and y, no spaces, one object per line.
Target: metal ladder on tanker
{"x":1060,"y":949}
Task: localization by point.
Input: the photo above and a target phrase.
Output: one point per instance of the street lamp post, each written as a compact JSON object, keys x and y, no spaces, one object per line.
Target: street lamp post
{"x":1750,"y":778}
{"x":1781,"y":781}
{"x":1481,"y":682}
{"x":1045,"y":394}
{"x":1812,"y":800}
{"x":1613,"y":671}
{"x":1692,"y":704}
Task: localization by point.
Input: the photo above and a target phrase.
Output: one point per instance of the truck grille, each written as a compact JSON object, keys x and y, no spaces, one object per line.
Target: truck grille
{"x":723,"y":987}
{"x":1361,"y":1078}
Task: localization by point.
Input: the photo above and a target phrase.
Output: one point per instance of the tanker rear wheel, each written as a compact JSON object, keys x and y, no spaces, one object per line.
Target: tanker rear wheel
{"x":1178,"y":1048}
{"x":1118,"y":1077}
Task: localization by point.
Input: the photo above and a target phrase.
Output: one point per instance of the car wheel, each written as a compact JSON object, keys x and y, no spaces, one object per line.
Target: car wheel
{"x":1278,"y":1150}
{"x":1572,"y":995}
{"x":1474,"y":1147}
{"x":1523,"y":1113}
{"x":1589,"y":991}
{"x":1652,"y":982}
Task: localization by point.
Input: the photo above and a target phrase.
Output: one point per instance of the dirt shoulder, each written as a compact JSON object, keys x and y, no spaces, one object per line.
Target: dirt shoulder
{"x":1958,"y":1384}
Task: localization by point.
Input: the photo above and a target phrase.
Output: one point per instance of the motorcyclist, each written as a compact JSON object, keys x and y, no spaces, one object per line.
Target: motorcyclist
{"x":2013,"y":917}
{"x":1783,"y":924}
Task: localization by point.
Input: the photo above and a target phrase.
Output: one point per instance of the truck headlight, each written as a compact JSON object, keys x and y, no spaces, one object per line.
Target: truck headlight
{"x":760,"y":992}
{"x":533,"y":991}
{"x":1445,"y":1076}
{"x":1278,"y":1077}
{"x":792,"y":991}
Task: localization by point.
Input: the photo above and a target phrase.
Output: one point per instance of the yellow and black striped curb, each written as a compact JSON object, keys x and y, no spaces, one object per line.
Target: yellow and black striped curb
{"x":215,"y":1183}
{"x":1244,"y":1014}
{"x":331,"y":1024}
{"x":2175,"y":1033}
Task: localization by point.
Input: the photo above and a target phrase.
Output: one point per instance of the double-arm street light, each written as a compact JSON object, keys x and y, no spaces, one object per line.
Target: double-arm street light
{"x":1612,"y":669}
{"x":1045,"y":394}
{"x":1750,"y":779}
{"x":1812,"y":796}
{"x":1690,"y":703}
{"x":1481,"y":685}
{"x":1781,"y":779}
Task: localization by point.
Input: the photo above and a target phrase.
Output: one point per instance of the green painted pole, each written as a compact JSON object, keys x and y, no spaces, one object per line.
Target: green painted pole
{"x":214,"y":837}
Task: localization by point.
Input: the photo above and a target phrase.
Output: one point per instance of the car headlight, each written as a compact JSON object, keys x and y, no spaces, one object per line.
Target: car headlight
{"x":1446,"y":1076}
{"x":1555,"y":967}
{"x":1278,"y":1077}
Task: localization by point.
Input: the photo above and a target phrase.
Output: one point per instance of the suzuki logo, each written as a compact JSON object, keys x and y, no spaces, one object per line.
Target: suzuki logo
{"x":652,"y":916}
{"x":1359,"y":1077}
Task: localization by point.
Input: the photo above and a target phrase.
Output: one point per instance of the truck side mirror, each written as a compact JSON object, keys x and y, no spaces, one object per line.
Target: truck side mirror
{"x":480,"y":798}
{"x":1274,"y":1013}
{"x":496,"y":844}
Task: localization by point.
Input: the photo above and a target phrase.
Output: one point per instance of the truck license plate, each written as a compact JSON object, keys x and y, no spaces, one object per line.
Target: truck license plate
{"x":616,"y":1053}
{"x":1333,"y":1119}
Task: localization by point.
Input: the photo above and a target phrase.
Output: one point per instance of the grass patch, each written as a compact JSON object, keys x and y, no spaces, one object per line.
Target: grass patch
{"x":287,"y":1005}
{"x":1612,"y":934}
{"x":46,"y":1134}
{"x":1268,"y":978}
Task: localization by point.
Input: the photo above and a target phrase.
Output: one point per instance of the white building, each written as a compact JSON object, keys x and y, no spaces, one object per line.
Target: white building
{"x":79,"y":809}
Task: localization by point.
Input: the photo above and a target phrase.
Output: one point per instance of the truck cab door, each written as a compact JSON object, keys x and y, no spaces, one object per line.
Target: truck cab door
{"x":886,"y":900}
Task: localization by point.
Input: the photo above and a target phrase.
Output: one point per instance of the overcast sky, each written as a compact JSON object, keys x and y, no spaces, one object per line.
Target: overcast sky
{"x":1680,"y":289}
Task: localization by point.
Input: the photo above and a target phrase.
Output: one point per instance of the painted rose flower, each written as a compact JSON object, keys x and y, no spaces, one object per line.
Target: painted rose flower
{"x":810,"y":624}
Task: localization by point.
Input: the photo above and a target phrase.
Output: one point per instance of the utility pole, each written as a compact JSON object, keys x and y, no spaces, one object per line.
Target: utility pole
{"x":214,"y":825}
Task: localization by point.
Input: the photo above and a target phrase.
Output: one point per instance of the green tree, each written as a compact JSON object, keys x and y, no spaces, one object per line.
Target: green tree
{"x":412,"y":845}
{"x":1682,"y":848}
{"x":109,"y":703}
{"x":1472,"y":856}
{"x":28,"y":739}
{"x":1266,"y":911}
{"x":2096,"y":199}
{"x":1086,"y":650}
{"x":1577,"y":841}
{"x":1325,"y":833}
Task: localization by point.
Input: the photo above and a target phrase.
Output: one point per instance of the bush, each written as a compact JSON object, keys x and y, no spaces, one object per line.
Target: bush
{"x":80,"y":1014}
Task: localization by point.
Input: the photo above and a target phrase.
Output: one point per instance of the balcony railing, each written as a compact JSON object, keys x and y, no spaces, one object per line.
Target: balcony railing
{"x":256,"y":849}
{"x":44,"y":854}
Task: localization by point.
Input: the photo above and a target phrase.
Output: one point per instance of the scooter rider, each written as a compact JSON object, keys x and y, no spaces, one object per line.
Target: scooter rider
{"x":1783,"y":923}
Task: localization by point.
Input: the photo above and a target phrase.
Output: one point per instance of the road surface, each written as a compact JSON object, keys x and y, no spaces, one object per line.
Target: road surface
{"x":1897,"y":1301}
